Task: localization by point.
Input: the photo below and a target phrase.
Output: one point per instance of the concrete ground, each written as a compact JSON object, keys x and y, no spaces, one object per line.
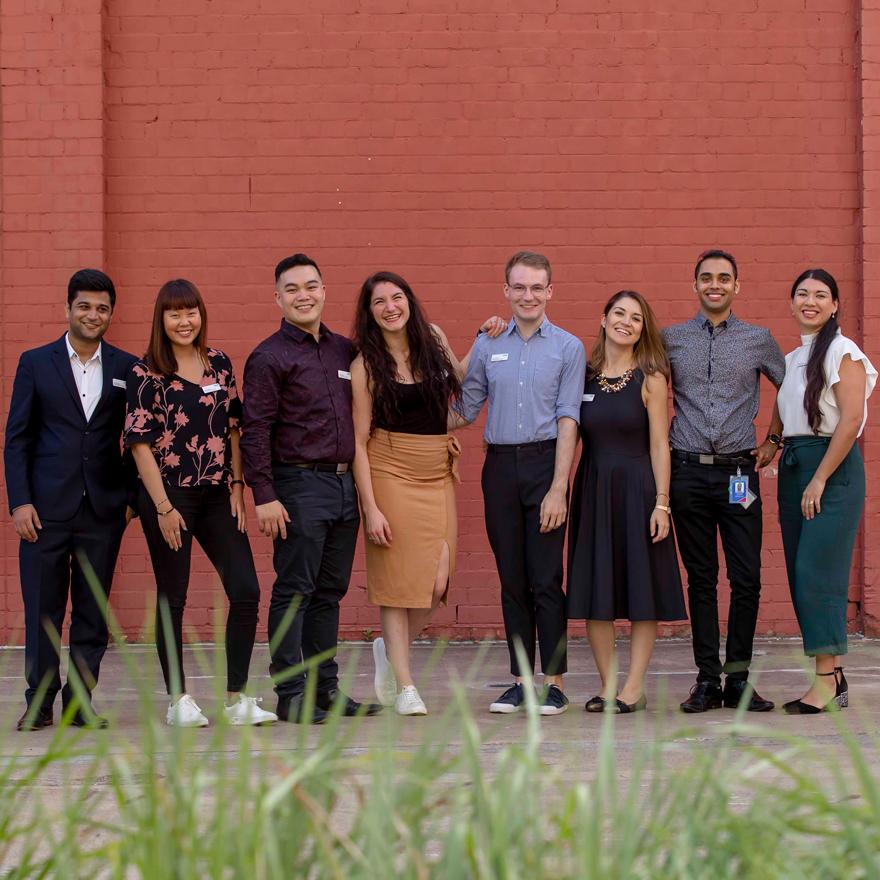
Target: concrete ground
{"x":482,"y":671}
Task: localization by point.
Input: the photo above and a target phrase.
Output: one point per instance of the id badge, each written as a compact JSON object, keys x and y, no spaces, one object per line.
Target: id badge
{"x":738,"y":488}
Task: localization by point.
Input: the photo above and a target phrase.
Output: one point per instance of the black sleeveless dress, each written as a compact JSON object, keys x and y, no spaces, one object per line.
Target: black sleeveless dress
{"x":615,"y":572}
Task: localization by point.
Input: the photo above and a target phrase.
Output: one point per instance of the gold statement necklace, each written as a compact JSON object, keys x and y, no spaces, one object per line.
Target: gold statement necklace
{"x":614,"y":387}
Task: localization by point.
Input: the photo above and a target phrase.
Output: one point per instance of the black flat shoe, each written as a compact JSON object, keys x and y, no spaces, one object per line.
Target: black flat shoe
{"x":625,"y":708}
{"x":840,"y":699}
{"x":595,"y":704}
{"x":736,"y":690}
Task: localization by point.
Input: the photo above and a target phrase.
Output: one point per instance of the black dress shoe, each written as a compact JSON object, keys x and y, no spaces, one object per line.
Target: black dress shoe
{"x":704,"y":696}
{"x":29,"y":721}
{"x":350,"y":707}
{"x":735,"y":691}
{"x":297,"y":711}
{"x":89,"y":719}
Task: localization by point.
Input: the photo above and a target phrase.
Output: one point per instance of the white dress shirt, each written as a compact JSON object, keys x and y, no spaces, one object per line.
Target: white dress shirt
{"x":791,"y":393}
{"x":88,"y":376}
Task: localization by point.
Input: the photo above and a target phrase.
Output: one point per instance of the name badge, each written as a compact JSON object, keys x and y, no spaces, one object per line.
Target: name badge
{"x":119,"y":383}
{"x":588,"y":398}
{"x":738,"y":489}
{"x":344,"y":374}
{"x":499,"y":357}
{"x":208,"y":389}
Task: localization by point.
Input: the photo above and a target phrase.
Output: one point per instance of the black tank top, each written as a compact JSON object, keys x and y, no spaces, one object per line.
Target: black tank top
{"x":413,"y":415}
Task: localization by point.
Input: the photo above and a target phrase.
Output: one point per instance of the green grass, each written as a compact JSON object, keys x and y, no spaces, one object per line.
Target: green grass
{"x":350,"y":800}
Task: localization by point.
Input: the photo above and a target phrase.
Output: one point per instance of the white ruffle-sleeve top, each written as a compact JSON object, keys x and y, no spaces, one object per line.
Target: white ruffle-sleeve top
{"x":791,"y":392}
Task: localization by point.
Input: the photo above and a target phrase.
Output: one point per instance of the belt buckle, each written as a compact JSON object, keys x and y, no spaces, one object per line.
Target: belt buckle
{"x":342,"y":468}
{"x":707,"y":459}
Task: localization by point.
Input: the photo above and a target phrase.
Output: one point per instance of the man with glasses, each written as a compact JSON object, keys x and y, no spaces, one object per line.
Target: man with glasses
{"x":532,"y":376}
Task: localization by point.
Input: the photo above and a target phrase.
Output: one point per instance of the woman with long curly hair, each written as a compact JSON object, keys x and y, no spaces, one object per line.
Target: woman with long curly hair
{"x":403,"y":381}
{"x":821,"y":410}
{"x":621,"y":558}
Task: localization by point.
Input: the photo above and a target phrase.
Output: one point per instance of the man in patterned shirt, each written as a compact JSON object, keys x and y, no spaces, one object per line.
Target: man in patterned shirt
{"x":717,"y":362}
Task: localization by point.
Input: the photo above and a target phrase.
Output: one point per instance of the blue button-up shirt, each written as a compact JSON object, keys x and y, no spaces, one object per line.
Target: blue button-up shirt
{"x":529,"y":383}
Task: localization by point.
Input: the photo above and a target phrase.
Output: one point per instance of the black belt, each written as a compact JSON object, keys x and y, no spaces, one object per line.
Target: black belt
{"x":537,"y":446}
{"x":325,"y":467}
{"x":738,"y":459}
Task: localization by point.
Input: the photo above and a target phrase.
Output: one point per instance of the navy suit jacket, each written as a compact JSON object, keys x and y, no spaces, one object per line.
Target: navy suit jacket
{"x":53,"y":456}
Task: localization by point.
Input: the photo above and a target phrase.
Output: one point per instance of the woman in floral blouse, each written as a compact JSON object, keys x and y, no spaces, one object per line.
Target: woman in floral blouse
{"x":182,"y":424}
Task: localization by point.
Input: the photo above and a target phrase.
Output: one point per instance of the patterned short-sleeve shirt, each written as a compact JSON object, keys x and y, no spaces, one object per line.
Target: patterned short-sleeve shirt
{"x":185,"y":423}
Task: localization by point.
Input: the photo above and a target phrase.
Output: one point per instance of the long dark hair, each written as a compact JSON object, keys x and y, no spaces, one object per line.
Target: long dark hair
{"x":428,"y":359}
{"x":816,"y":364}
{"x":178,"y":294}
{"x":650,"y":350}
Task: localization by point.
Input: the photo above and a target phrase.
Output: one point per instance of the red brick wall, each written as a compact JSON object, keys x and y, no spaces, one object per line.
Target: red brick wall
{"x":419,"y":137}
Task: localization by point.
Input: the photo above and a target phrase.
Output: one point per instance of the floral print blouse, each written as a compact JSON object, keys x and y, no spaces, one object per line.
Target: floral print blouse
{"x":186,"y":424}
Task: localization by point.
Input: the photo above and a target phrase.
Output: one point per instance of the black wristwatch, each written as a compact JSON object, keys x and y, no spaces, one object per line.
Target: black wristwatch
{"x":775,"y":439}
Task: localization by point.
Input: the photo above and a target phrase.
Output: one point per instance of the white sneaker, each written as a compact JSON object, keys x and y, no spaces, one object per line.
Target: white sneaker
{"x":245,"y":710}
{"x":185,"y":713}
{"x":384,"y":680}
{"x":409,"y":702}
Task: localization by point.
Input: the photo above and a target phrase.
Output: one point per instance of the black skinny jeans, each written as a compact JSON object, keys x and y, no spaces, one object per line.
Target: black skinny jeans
{"x":206,"y":512}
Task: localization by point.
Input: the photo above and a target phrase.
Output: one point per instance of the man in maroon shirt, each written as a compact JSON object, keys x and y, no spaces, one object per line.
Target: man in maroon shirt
{"x":297,"y":446}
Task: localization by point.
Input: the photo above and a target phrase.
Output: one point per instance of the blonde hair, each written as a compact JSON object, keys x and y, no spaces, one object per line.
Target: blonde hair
{"x":649,"y":352}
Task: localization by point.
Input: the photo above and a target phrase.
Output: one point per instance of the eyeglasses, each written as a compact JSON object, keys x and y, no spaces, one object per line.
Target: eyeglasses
{"x":534,"y":289}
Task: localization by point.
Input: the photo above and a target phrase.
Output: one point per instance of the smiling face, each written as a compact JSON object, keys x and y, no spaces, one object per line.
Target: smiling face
{"x":89,"y":316}
{"x":624,"y":322}
{"x":300,"y":295}
{"x":182,"y":325}
{"x":716,"y":286}
{"x":389,"y":307}
{"x":528,"y":291}
{"x":812,"y":305}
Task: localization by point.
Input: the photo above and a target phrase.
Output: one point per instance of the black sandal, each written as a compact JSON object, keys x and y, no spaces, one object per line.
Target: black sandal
{"x":840,"y":698}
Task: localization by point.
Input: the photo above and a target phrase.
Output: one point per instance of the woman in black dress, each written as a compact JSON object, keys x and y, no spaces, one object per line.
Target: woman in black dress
{"x":622,"y":563}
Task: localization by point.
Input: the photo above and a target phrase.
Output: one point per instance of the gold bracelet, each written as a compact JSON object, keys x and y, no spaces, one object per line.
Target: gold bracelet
{"x":664,"y":494}
{"x":663,"y":507}
{"x":164,"y":501}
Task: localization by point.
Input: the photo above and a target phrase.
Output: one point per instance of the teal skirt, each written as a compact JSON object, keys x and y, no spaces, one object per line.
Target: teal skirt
{"x":818,"y":552}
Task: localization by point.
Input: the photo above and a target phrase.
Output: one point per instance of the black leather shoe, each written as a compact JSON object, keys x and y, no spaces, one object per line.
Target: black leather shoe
{"x":89,"y":719}
{"x":350,"y":707}
{"x":296,"y":711}
{"x":737,"y":689}
{"x":704,"y":696}
{"x":29,"y":721}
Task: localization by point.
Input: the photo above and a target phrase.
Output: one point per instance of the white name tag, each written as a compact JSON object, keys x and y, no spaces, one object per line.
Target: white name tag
{"x":210,"y":388}
{"x":344,"y":374}
{"x":499,"y":357}
{"x":119,"y":383}
{"x":588,"y":398}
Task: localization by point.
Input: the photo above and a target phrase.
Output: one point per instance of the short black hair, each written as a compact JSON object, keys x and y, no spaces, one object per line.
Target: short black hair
{"x":93,"y":280}
{"x":715,"y":254}
{"x":295,"y":260}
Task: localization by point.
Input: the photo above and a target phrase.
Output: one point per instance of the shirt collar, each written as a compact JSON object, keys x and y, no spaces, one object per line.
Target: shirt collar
{"x":71,"y":354}
{"x":300,"y":335}
{"x":704,"y":323}
{"x":543,"y":329}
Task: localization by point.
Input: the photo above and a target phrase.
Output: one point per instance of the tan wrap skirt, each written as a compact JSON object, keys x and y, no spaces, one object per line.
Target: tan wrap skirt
{"x":413,"y":478}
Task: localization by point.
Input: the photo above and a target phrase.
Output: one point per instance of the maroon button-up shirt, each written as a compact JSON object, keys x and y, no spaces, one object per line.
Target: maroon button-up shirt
{"x":297,"y":404}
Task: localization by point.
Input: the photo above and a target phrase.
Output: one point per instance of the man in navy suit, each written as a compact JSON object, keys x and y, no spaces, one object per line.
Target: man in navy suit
{"x":67,"y":486}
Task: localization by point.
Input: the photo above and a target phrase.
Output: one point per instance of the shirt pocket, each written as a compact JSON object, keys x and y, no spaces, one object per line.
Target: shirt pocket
{"x":501,"y":374}
{"x":546,"y":375}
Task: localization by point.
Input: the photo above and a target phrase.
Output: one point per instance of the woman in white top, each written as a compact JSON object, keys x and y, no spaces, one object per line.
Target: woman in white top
{"x":822,"y":408}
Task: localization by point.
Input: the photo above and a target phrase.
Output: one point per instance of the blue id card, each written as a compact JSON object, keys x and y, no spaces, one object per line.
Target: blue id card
{"x":738,"y":489}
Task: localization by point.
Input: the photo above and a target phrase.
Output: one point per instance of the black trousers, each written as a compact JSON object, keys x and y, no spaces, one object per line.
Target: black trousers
{"x":312,"y":571}
{"x":701,"y":510}
{"x":206,"y":512}
{"x":515,"y":482}
{"x":50,"y":569}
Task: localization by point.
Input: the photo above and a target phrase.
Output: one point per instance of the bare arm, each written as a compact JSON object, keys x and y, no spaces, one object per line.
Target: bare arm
{"x":375,"y":525}
{"x":236,"y":495}
{"x":554,"y":507}
{"x":657,"y":403}
{"x":170,"y":521}
{"x":766,"y":452}
{"x":850,"y":394}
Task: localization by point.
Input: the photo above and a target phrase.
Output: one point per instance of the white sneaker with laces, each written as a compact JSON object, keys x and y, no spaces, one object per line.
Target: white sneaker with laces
{"x":245,"y":710}
{"x":185,"y":713}
{"x":384,"y":680}
{"x":409,"y":702}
